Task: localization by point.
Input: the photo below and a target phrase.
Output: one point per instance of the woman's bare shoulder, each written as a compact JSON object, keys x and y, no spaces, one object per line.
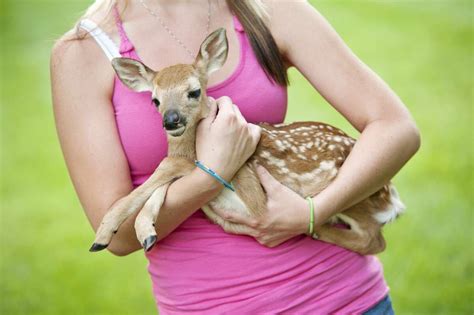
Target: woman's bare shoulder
{"x":80,"y":62}
{"x":282,"y":15}
{"x":77,"y":50}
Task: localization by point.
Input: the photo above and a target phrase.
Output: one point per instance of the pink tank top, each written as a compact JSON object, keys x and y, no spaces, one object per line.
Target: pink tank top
{"x":200,"y":269}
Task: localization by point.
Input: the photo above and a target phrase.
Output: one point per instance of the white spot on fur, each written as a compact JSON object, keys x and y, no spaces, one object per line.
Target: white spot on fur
{"x":337,"y":139}
{"x":311,"y":176}
{"x":327,"y":165}
{"x":307,"y":177}
{"x":277,"y":162}
{"x":301,"y":156}
{"x":280,"y":145}
{"x":294,"y":175}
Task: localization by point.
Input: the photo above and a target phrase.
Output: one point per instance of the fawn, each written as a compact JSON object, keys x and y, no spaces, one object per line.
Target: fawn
{"x":304,"y":156}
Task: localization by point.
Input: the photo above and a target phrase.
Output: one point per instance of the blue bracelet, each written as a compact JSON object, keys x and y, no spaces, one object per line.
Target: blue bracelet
{"x":214,"y":174}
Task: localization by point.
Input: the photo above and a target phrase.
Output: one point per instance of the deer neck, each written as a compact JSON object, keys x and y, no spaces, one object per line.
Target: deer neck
{"x":183,"y":146}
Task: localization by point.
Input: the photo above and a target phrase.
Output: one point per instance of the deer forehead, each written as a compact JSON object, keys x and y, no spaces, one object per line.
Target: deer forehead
{"x":178,"y":77}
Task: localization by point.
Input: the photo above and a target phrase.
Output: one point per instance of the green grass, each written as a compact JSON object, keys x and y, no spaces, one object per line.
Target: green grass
{"x":423,"y":49}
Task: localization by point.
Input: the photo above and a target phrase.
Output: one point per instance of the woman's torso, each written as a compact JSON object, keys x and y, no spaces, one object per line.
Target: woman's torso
{"x":198,"y":267}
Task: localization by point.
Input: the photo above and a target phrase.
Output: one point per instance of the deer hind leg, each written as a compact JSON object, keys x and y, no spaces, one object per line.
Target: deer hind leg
{"x":145,"y":221}
{"x":168,"y":170}
{"x":363,"y":236}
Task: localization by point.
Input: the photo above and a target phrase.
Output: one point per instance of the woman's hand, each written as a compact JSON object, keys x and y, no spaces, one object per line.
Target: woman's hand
{"x":287,"y":213}
{"x":224,"y":140}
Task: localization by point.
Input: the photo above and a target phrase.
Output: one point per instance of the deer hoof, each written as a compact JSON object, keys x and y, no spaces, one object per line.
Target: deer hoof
{"x":97,"y":247}
{"x":149,"y":242}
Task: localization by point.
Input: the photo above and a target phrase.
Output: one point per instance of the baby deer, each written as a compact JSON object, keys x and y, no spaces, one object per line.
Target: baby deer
{"x":304,"y":156}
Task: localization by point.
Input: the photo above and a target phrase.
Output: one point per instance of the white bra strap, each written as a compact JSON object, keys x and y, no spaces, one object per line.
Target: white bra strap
{"x":108,"y":46}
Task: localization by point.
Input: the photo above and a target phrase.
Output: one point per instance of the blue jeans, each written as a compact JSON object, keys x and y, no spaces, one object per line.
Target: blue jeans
{"x":384,"y":307}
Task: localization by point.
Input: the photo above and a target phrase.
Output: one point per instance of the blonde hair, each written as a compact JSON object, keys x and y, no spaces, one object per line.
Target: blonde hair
{"x":251,"y":14}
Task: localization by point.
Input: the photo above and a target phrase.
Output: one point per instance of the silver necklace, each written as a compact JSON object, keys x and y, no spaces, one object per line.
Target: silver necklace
{"x":173,"y":35}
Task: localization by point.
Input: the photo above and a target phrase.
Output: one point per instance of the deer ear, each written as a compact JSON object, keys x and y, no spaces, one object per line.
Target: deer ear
{"x":134,"y":74}
{"x":213,"y":52}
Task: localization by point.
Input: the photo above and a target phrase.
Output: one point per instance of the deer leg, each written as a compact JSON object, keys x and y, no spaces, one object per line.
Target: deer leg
{"x":365,"y":240}
{"x":168,"y":170}
{"x":145,"y":221}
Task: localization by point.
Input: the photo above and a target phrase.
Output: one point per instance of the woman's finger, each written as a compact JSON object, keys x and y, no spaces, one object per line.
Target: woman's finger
{"x":225,"y":106}
{"x":239,"y":115}
{"x":237,"y":218}
{"x":240,"y":230}
{"x":211,"y":102}
{"x":255,"y":133}
{"x":212,"y":107}
{"x":268,"y":182}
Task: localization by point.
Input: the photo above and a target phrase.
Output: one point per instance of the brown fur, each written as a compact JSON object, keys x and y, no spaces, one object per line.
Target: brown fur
{"x":304,"y":156}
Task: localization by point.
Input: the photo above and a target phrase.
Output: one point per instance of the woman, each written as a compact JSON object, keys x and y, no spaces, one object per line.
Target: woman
{"x":112,"y":141}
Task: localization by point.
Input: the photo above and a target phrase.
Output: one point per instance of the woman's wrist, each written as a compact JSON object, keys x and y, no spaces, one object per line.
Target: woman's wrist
{"x":325,"y":206}
{"x":206,"y":182}
{"x":225,"y":170}
{"x":304,"y":217}
{"x":314,"y":215}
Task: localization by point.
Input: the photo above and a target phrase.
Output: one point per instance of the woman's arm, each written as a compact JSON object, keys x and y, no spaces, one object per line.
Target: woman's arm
{"x":82,"y":85}
{"x":389,"y":136}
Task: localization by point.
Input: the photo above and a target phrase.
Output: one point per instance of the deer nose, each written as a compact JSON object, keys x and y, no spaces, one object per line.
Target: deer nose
{"x":171,"y":120}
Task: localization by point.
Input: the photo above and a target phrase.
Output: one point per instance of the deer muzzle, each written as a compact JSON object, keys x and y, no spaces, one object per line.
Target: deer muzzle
{"x":174,"y":123}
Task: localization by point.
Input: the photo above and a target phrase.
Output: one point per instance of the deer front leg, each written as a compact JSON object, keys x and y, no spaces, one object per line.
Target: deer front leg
{"x":168,"y":170}
{"x":145,"y":221}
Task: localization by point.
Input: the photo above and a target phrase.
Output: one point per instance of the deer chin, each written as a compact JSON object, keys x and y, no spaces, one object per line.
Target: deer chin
{"x":177,"y":132}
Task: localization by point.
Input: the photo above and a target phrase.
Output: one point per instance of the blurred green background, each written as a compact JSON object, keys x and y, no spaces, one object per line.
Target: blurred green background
{"x":423,"y":49}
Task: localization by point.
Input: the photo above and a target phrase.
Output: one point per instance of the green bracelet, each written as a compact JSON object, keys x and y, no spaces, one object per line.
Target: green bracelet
{"x":311,"y":216}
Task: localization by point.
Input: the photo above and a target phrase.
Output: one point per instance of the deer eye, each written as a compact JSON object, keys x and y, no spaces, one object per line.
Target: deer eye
{"x":156,"y":101}
{"x":194,"y":94}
